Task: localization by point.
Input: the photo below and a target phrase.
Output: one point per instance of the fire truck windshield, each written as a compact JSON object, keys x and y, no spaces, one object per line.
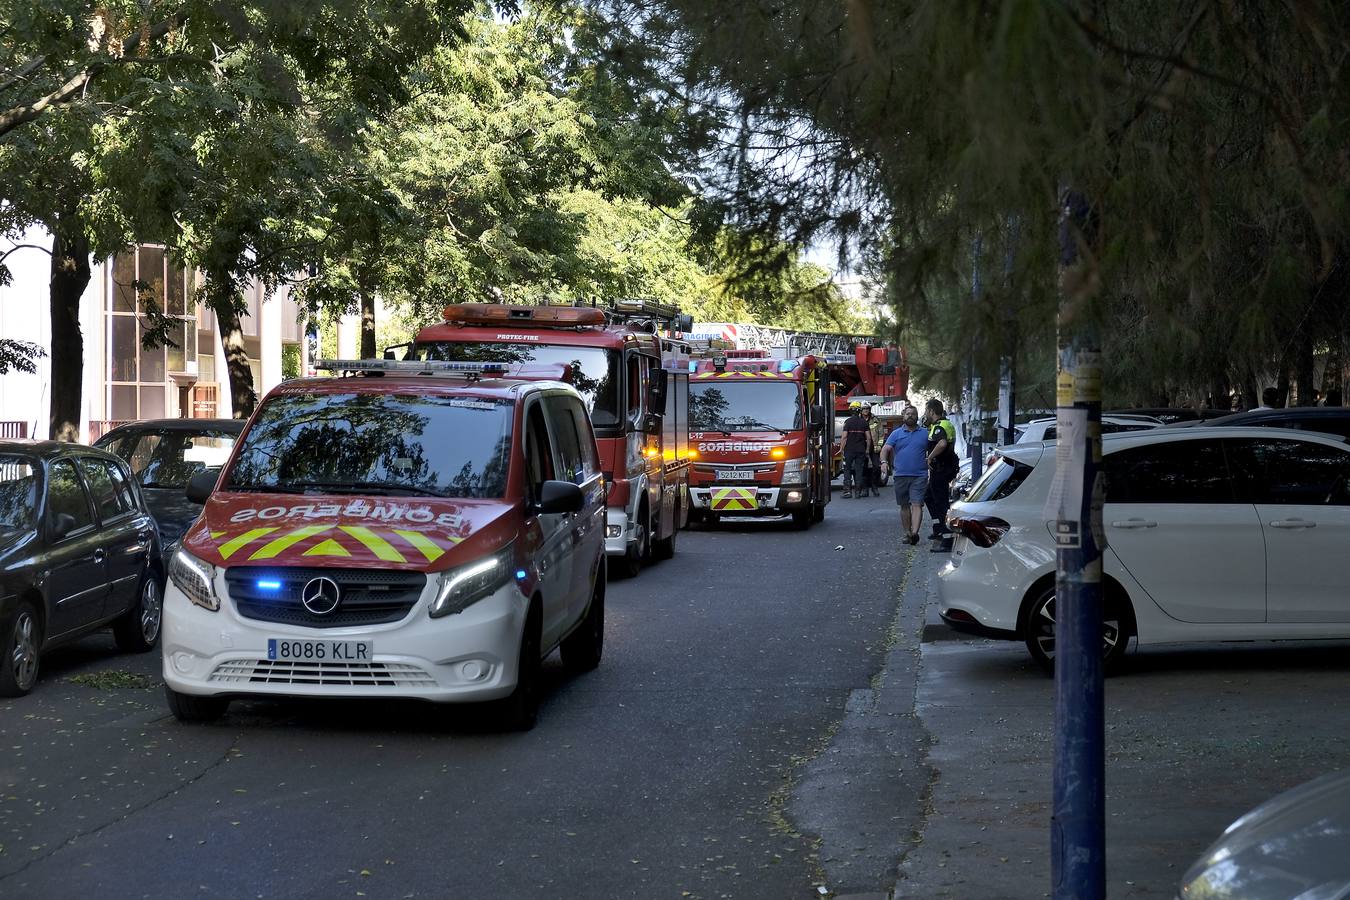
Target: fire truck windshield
{"x":596,"y":370}
{"x":731,"y":406}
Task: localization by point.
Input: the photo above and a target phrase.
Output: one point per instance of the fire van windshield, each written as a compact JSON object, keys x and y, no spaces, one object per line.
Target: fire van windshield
{"x":377,"y":444}
{"x":595,"y":369}
{"x":731,"y":406}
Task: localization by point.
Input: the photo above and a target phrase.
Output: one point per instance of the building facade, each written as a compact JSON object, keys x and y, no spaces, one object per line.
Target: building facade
{"x":123,"y":381}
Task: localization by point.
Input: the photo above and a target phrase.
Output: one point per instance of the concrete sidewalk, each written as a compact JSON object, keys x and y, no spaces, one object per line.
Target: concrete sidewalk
{"x":1196,"y":736}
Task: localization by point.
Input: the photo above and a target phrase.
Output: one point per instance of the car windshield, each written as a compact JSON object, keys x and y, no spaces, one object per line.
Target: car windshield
{"x":745,"y":406}
{"x":168,"y":458}
{"x":396,"y":444}
{"x":18,"y":493}
{"x":595,"y":369}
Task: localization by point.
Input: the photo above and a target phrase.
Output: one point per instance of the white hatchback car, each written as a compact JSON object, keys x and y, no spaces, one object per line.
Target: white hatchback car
{"x":1214,"y":534}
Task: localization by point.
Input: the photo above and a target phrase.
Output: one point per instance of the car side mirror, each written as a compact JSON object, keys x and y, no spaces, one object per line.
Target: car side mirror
{"x":200,"y":486}
{"x":62,"y":525}
{"x":656,"y":390}
{"x":559,"y":497}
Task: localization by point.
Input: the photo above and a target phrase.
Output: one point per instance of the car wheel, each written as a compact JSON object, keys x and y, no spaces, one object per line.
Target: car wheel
{"x":664,"y":548}
{"x":519,"y":711}
{"x":639,"y":551}
{"x":582,"y":649}
{"x":1039,"y":629}
{"x":137,"y":631}
{"x":20,"y":650}
{"x":191,"y":708}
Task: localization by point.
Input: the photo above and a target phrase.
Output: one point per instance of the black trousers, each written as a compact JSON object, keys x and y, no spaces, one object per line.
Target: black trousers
{"x":939,"y":498}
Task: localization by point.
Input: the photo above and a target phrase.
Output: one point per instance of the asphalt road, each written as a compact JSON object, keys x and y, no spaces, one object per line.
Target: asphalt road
{"x":750,"y":733}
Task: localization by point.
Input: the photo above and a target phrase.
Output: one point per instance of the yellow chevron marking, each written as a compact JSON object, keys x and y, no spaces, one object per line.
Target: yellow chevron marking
{"x":233,"y":545}
{"x":374,"y":543}
{"x":430,"y":549}
{"x":329,"y":547}
{"x":274,"y":547}
{"x":217,"y":535}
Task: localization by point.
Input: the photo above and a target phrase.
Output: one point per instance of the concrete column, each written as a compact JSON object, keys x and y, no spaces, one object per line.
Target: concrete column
{"x":349,"y":336}
{"x":269,"y":341}
{"x":224,"y":402}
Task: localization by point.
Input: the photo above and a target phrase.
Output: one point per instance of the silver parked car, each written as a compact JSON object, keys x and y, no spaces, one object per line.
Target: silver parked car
{"x":1292,"y":847}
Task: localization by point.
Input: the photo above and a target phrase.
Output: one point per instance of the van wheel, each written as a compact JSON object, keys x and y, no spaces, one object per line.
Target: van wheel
{"x":137,"y":631}
{"x":520,"y":711}
{"x":1039,"y":629}
{"x":581,"y":650}
{"x":191,"y":708}
{"x":639,"y":551}
{"x":664,"y":548}
{"x":20,"y":650}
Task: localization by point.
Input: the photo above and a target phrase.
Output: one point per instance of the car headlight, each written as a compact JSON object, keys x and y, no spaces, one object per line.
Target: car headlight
{"x":794,"y":469}
{"x":465,"y":585}
{"x":195,"y":578}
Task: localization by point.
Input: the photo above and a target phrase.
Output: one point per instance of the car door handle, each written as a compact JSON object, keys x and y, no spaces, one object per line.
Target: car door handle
{"x":1292,"y":523}
{"x":1134,"y":523}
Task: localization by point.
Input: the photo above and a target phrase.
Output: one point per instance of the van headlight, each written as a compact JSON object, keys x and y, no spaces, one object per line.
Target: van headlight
{"x":794,"y":470}
{"x":461,"y":587}
{"x":195,"y":578}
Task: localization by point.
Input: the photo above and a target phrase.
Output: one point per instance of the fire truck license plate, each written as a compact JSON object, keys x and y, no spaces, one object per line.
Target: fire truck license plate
{"x":734,"y":475}
{"x":319,"y":651}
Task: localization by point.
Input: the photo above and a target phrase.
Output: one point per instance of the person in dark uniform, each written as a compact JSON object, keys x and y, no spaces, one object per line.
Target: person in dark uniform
{"x":857,"y":448}
{"x":942,"y":465}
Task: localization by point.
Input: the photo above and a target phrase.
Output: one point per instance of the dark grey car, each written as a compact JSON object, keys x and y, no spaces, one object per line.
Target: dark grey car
{"x":78,"y":551}
{"x":164,"y":454}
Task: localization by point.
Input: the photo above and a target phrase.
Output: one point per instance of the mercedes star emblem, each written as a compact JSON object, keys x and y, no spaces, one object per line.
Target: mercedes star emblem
{"x":320,"y":596}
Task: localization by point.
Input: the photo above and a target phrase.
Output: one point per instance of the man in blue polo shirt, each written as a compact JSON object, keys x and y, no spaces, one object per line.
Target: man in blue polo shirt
{"x":908,"y":447}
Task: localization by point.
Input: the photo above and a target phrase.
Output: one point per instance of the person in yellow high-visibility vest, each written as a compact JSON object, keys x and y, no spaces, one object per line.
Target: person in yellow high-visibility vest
{"x":942,"y":464}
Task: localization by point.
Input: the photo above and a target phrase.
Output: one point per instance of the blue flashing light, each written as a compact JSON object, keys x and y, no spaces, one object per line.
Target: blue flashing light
{"x":521,"y":574}
{"x":269,"y":584}
{"x":693,"y":367}
{"x":787,"y":365}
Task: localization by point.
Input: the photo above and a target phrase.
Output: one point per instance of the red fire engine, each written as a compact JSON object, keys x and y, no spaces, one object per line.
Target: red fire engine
{"x":762,"y":429}
{"x":634,"y":379}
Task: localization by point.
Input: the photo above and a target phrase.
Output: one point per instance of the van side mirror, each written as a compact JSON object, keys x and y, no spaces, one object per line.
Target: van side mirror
{"x":200,"y":486}
{"x":656,"y":389}
{"x":559,"y":497}
{"x":391,"y":352}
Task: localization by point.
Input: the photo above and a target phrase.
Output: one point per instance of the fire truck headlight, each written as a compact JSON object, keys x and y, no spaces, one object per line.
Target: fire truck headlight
{"x":794,"y":470}
{"x":794,"y":497}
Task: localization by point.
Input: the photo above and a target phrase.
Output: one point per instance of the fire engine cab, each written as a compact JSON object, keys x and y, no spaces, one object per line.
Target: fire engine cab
{"x":762,"y":430}
{"x":632,"y":373}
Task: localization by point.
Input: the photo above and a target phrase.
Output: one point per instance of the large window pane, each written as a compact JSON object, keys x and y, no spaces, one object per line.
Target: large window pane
{"x":178,"y":355}
{"x":152,"y":364}
{"x":206,"y":366}
{"x":122,"y":354}
{"x":176,"y":292}
{"x":1175,"y":472}
{"x":124,"y":288}
{"x":123,"y":402}
{"x":152,"y":274}
{"x":152,"y":402}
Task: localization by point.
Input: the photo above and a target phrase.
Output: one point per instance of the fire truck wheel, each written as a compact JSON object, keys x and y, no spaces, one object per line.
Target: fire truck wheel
{"x":639,"y":551}
{"x":802,"y":520}
{"x":818,"y":512}
{"x":664,"y":548}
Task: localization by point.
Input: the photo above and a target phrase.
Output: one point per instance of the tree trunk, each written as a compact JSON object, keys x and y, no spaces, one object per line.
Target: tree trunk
{"x":1078,"y":824}
{"x":1303,"y":372}
{"x":69,"y":278}
{"x":242,"y":396}
{"x":1219,"y":393}
{"x":367,"y":323}
{"x":1282,"y":384}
